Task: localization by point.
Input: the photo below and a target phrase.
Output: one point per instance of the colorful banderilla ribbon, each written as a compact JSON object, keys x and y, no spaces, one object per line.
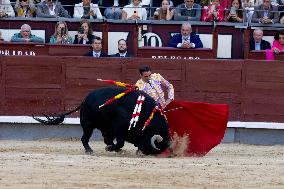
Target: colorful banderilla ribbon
{"x":117,"y":83}
{"x":136,"y":111}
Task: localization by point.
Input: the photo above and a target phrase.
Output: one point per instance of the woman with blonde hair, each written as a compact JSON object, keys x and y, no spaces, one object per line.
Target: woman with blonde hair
{"x":60,"y":35}
{"x":25,"y":8}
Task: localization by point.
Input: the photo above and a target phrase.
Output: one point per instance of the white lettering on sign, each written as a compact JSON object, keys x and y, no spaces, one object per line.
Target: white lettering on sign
{"x":16,"y":53}
{"x":176,"y":57}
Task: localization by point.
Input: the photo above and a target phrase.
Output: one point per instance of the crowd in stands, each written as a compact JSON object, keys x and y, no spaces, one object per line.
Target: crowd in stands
{"x":262,"y":11}
{"x":256,"y":11}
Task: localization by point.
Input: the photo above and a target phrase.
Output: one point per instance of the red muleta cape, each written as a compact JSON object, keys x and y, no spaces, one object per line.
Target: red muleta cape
{"x":204,"y":123}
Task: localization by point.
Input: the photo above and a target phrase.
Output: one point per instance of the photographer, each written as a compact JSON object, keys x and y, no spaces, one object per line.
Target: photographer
{"x":85,"y":33}
{"x":87,"y":10}
{"x":235,"y":13}
{"x":60,"y":35}
{"x":134,"y":11}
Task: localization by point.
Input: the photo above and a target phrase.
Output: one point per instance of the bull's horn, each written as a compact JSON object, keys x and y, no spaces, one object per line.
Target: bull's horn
{"x":157,"y":138}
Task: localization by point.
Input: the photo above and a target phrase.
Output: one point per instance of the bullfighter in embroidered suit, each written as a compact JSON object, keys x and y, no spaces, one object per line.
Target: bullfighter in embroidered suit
{"x":152,"y":84}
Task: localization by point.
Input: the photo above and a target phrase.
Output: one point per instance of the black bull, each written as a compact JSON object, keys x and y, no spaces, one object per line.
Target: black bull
{"x":113,"y":121}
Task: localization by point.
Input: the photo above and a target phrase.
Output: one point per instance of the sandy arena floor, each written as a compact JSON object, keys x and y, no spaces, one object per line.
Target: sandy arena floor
{"x":53,"y":164}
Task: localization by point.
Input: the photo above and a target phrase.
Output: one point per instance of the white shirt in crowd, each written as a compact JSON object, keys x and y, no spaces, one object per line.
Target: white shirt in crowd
{"x":6,"y":7}
{"x":79,"y":10}
{"x":140,"y":11}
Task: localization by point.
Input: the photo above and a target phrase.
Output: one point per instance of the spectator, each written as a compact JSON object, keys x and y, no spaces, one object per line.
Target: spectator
{"x":265,"y":13}
{"x":1,"y":38}
{"x":122,"y":49}
{"x":26,"y":36}
{"x":188,"y":11}
{"x":114,"y":11}
{"x":97,"y":48}
{"x":6,"y":9}
{"x":248,"y":6}
{"x":25,"y":8}
{"x":278,"y":43}
{"x":186,"y":39}
{"x":51,"y":9}
{"x":87,"y":10}
{"x":85,"y":33}
{"x":235,"y":14}
{"x":257,"y":43}
{"x":213,"y":12}
{"x":281,"y":10}
{"x":134,"y":11}
{"x":165,"y":12}
{"x":60,"y":35}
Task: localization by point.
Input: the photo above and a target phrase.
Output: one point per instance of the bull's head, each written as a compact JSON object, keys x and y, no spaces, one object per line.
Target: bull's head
{"x":155,"y":138}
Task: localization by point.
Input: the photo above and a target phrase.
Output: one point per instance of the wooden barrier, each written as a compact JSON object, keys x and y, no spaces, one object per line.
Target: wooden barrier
{"x":35,"y":49}
{"x":254,"y":90}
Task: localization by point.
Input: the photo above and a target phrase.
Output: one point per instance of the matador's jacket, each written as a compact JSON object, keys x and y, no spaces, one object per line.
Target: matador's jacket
{"x":154,"y":88}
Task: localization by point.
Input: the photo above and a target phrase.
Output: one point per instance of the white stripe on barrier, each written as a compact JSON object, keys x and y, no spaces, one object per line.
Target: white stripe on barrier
{"x":231,"y":124}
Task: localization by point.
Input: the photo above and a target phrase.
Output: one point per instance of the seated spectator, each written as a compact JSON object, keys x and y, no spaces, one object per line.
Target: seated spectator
{"x":265,"y":13}
{"x":87,"y":10}
{"x":186,"y":39}
{"x":51,"y":9}
{"x":235,"y":13}
{"x":26,"y":36}
{"x":68,"y":5}
{"x":1,"y":38}
{"x":248,"y":6}
{"x":122,"y":49}
{"x":213,"y":12}
{"x":85,"y":33}
{"x":60,"y":35}
{"x":6,"y":9}
{"x":134,"y":11}
{"x":281,"y":10}
{"x":97,"y":48}
{"x":165,"y":12}
{"x":25,"y":8}
{"x":278,"y":43}
{"x":257,"y":43}
{"x":188,"y":11}
{"x":114,"y":11}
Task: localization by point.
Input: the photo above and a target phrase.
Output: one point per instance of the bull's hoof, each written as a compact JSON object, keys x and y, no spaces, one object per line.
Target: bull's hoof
{"x":89,"y":152}
{"x":110,"y":148}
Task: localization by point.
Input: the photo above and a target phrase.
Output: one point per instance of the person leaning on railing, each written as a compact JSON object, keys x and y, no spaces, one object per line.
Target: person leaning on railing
{"x":25,"y":35}
{"x":213,"y":12}
{"x":278,"y":43}
{"x":186,"y":39}
{"x":60,"y":35}
{"x":87,"y":10}
{"x":25,"y":8}
{"x":188,"y":11}
{"x":6,"y":9}
{"x":266,"y":13}
{"x":51,"y":9}
{"x":134,"y":11}
{"x":85,"y":33}
{"x":235,"y":13}
{"x":165,"y":12}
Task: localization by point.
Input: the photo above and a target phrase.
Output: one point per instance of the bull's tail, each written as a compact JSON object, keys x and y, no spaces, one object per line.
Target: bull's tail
{"x":55,"y":119}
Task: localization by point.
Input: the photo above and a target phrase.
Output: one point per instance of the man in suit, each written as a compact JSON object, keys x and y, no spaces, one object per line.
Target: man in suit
{"x":122,"y":49}
{"x":257,"y":43}
{"x":186,"y":39}
{"x":97,"y":48}
{"x":265,"y":13}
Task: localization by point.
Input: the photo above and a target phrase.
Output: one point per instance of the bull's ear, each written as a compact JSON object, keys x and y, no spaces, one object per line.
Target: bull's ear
{"x":155,"y":138}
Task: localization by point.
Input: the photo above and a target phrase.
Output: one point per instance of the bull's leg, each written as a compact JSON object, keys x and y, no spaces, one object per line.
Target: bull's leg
{"x":119,"y":136}
{"x":85,"y":140}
